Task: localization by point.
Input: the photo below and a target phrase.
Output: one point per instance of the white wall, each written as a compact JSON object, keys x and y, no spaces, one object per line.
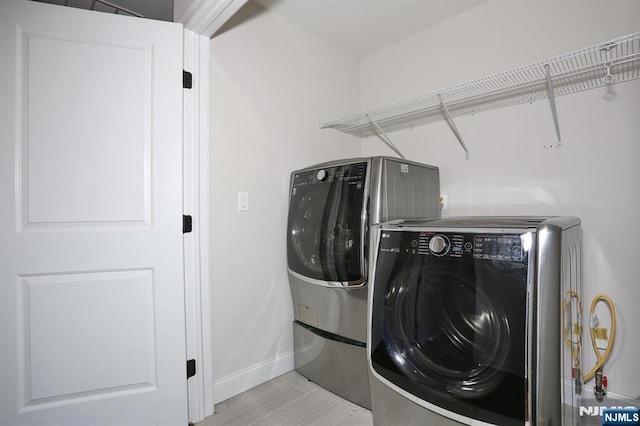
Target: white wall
{"x":271,"y":83}
{"x":512,"y":169}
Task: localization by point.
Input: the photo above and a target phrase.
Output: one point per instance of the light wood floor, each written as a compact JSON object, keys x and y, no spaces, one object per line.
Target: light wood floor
{"x":288,"y":400}
{"x":292,"y":400}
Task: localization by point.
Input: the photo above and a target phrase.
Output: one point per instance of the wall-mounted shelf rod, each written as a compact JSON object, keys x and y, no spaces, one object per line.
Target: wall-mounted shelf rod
{"x":552,"y":103}
{"x":384,"y":137}
{"x":453,"y":127}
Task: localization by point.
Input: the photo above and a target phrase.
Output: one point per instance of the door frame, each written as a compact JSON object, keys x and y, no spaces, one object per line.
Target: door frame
{"x":201,"y":20}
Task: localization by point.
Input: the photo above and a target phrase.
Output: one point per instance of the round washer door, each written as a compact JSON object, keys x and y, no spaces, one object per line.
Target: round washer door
{"x":446,"y":332}
{"x":305,"y":234}
{"x":324,"y":231}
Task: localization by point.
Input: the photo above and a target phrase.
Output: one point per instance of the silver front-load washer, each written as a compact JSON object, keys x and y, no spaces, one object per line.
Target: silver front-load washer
{"x":331,"y":207}
{"x":466,"y":323}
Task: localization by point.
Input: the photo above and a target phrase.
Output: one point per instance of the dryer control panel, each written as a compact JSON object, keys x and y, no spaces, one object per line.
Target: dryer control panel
{"x":454,"y":244}
{"x":354,"y":174}
{"x":497,"y":247}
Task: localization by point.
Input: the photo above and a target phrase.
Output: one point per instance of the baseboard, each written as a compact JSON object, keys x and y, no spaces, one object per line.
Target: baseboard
{"x":250,"y":377}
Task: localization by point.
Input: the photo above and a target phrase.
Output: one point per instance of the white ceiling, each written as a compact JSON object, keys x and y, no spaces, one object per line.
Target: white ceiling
{"x":365,"y":26}
{"x":359,"y":26}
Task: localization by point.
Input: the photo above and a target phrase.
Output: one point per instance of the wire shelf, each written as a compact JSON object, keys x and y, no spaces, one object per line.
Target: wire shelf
{"x":607,"y":63}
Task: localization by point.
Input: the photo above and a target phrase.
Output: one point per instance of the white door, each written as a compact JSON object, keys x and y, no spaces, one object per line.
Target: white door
{"x":92,"y":327}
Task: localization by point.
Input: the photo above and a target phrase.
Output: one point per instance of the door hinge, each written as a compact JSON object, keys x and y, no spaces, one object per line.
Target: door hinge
{"x":187,"y":224}
{"x":187,"y":79}
{"x":191,"y":368}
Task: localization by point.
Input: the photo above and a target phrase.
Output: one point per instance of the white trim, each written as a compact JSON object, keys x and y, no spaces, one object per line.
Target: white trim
{"x":250,"y":377}
{"x":205,"y":17}
{"x":201,"y":20}
{"x":197,"y":273}
{"x":206,"y":332}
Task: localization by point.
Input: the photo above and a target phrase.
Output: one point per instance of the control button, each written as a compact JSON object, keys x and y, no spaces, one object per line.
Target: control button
{"x":439,"y":245}
{"x":321,"y":175}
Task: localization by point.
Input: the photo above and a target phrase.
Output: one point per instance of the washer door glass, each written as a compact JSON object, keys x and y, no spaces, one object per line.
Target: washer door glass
{"x":451,"y":328}
{"x":325,"y":223}
{"x":446,"y":332}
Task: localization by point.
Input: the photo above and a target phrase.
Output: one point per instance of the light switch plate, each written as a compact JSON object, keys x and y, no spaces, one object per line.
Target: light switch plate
{"x":243,"y":201}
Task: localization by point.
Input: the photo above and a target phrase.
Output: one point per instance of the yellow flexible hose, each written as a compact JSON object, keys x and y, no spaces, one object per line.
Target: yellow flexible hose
{"x":601,"y":358}
{"x":567,"y":331}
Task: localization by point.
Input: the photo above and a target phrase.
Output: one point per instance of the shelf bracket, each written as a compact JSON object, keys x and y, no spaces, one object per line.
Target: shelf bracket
{"x":383,"y":137}
{"x":453,"y":127}
{"x":552,"y":102}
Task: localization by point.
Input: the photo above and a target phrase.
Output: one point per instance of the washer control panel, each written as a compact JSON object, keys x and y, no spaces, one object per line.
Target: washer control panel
{"x":454,"y":244}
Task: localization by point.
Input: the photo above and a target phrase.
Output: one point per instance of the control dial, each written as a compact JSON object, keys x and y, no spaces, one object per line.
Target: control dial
{"x":321,"y":175}
{"x":439,"y":245}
